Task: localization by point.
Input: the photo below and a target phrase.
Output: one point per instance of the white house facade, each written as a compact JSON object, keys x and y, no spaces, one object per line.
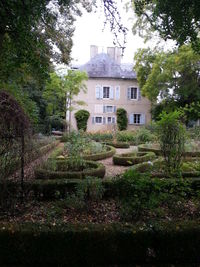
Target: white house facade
{"x":111,"y":85}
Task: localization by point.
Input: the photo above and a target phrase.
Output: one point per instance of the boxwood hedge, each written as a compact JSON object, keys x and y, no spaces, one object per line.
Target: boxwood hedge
{"x":127,"y":159}
{"x":99,"y":245}
{"x":96,"y":170}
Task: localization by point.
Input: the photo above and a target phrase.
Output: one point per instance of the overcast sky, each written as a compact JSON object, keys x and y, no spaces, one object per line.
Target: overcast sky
{"x":89,"y":31}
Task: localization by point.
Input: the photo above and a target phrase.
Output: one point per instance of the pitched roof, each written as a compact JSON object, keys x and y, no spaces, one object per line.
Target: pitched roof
{"x":102,"y":66}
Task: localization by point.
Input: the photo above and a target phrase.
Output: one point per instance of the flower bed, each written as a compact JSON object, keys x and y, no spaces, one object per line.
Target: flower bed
{"x":60,"y":170}
{"x":127,"y":159}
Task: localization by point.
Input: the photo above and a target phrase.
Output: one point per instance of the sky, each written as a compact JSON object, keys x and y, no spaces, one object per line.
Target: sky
{"x":89,"y":30}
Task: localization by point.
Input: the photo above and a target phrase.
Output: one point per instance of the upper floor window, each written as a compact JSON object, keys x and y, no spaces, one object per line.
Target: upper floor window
{"x":106,"y":92}
{"x":133,"y":93}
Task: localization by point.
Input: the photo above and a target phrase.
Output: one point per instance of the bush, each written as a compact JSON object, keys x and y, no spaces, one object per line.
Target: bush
{"x":118,"y":144}
{"x":100,"y":137}
{"x":122,"y":120}
{"x":171,"y":134}
{"x":127,"y":136}
{"x":81,"y":119}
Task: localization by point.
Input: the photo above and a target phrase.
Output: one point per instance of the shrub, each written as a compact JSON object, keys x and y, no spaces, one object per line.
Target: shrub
{"x":101,"y":137}
{"x":127,"y":159}
{"x":126,"y":136}
{"x":81,"y":119}
{"x":171,"y":134}
{"x":122,"y":120}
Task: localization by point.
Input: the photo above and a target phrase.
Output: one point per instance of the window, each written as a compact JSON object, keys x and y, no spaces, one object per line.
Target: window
{"x":109,"y":108}
{"x":106,"y":92}
{"x":110,"y":120}
{"x":133,"y":93}
{"x":136,"y":118}
{"x":98,"y":119}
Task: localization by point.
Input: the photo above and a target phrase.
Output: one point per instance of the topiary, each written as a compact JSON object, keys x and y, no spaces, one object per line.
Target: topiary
{"x":81,"y":119}
{"x":122,"y":120}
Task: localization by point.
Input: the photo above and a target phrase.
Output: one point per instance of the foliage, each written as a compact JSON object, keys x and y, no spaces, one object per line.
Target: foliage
{"x":139,"y":136}
{"x":177,"y":20}
{"x":101,"y":137}
{"x":81,"y":119}
{"x":122,"y":120}
{"x":89,"y":189}
{"x":59,"y":93}
{"x":169,"y":74}
{"x":171,"y":135}
{"x":139,"y":194}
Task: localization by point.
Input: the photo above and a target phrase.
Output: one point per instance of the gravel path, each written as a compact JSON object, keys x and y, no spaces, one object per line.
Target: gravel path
{"x":111,"y":169}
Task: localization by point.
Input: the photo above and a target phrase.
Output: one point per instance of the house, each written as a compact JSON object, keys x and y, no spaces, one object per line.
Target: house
{"x":111,"y":85}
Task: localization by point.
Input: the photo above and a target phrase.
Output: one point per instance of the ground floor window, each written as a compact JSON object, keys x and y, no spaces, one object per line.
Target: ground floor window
{"x":98,"y":119}
{"x":111,"y":120}
{"x":137,"y":118}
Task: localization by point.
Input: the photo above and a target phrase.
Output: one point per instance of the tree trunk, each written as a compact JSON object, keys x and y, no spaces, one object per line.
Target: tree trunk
{"x":22,"y":166}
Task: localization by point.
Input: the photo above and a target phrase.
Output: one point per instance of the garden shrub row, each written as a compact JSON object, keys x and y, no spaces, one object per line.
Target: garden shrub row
{"x":99,"y":245}
{"x":128,"y":159}
{"x":118,"y":144}
{"x":157,"y":151}
{"x":97,"y":170}
{"x":103,"y":155}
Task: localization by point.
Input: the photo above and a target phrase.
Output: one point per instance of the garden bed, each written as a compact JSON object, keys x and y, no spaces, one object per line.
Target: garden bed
{"x":128,"y":159}
{"x":102,"y":155}
{"x":62,"y":170}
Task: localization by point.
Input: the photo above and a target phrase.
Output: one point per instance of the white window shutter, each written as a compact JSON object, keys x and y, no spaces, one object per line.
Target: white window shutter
{"x":111,"y":92}
{"x":101,"y":92}
{"x":93,"y":120}
{"x":117,"y":92}
{"x":139,"y":94}
{"x":142,"y":119}
{"x":114,"y":109}
{"x":98,"y":91}
{"x":129,"y":93}
{"x":113,"y":120}
{"x":131,"y":118}
{"x":104,"y":120}
{"x":104,"y":109}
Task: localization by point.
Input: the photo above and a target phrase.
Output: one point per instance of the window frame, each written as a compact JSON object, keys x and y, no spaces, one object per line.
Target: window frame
{"x":98,"y":117}
{"x":108,"y":87}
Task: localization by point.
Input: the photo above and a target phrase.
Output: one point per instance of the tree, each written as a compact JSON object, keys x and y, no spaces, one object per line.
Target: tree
{"x":171,"y":75}
{"x":178,"y":20}
{"x":122,"y":120}
{"x":60,"y":91}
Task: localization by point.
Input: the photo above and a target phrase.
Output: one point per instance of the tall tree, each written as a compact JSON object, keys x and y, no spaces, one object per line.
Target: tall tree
{"x":171,"y":75}
{"x":60,"y":92}
{"x":173,"y":19}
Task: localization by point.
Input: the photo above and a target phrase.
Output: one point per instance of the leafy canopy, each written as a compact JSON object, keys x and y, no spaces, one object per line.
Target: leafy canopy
{"x":178,"y":20}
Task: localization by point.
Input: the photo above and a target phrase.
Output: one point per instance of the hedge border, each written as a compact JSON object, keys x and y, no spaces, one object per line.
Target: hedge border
{"x":99,"y":171}
{"x":142,"y":148}
{"x":104,"y":245}
{"x":118,"y":144}
{"x":102,"y":155}
{"x":126,"y":159}
{"x":146,"y":165}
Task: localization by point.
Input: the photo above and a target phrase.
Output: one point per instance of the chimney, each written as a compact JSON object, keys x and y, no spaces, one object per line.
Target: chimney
{"x":114,"y":53}
{"x":93,"y":51}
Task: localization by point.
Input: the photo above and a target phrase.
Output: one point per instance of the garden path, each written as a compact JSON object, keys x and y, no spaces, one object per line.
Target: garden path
{"x":111,"y":169}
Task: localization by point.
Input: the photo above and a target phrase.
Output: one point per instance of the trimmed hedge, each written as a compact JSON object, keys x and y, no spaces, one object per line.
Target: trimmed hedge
{"x":104,"y":245}
{"x":157,"y":151}
{"x":103,"y":155}
{"x":97,"y":170}
{"x":128,"y":159}
{"x":118,"y":144}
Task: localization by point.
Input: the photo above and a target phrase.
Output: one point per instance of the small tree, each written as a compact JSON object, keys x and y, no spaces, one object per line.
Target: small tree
{"x":122,"y":120}
{"x":171,"y":134}
{"x":82,"y":117}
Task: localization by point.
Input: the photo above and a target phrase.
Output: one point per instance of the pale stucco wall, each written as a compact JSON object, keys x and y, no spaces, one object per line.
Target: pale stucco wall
{"x":142,"y":106}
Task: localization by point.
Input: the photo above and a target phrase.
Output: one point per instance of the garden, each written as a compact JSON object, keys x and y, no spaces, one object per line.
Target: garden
{"x":64,"y":196}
